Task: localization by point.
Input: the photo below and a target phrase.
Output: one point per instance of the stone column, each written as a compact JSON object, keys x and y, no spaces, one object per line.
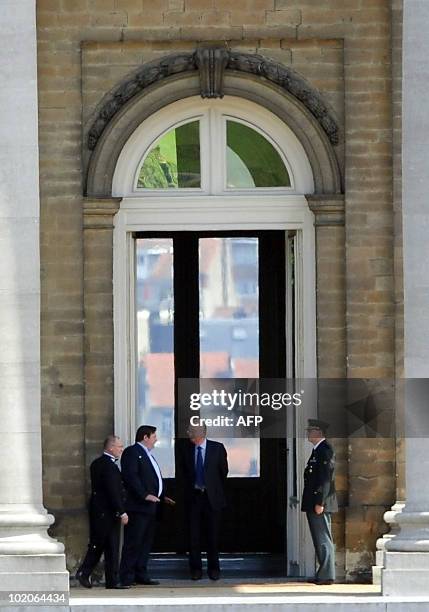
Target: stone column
{"x":29,"y":558}
{"x":406,"y":556}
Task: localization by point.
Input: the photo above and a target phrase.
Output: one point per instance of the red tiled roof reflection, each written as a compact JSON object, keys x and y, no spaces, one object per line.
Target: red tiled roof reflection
{"x":160,"y":378}
{"x":245,"y":368}
{"x":214,"y":364}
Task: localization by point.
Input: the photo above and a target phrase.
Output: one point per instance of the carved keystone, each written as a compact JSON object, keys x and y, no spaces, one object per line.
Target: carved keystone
{"x":211,"y":63}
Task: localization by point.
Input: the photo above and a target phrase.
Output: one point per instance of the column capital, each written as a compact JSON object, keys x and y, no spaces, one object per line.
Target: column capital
{"x":98,"y":213}
{"x":328,"y":209}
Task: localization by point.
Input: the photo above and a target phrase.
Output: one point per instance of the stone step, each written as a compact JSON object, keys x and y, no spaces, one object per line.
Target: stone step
{"x":30,"y":563}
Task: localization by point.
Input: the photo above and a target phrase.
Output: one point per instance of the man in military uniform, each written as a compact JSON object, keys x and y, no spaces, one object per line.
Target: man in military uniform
{"x":319,"y":499}
{"x":106,"y":514}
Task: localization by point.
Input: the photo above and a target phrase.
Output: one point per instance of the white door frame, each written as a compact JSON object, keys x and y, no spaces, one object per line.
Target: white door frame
{"x":199,"y":213}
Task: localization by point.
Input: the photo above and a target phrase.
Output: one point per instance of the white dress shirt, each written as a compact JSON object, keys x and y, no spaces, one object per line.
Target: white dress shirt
{"x":155,"y":467}
{"x":320,"y":442}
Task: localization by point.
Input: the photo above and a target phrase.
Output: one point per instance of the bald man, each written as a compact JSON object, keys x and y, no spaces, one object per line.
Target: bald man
{"x":106,"y":514}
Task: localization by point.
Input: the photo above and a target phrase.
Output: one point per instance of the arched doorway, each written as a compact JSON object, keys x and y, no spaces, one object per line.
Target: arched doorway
{"x":214,"y":227}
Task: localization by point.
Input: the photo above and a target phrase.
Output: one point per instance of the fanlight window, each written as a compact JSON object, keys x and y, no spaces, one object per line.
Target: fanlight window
{"x":250,"y":160}
{"x":173,"y":162}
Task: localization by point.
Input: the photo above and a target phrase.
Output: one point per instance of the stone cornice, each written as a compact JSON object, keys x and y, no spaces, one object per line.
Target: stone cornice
{"x":98,"y":213}
{"x":328,"y":209}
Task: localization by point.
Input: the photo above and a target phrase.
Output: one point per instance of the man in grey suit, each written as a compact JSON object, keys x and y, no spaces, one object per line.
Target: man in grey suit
{"x":319,"y":499}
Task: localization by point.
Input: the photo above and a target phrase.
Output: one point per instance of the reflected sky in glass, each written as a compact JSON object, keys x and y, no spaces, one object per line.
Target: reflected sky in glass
{"x":229,"y":326}
{"x":155,"y":344}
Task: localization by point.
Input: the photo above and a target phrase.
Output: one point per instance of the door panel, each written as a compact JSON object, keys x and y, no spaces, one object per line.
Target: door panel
{"x":155,"y":343}
{"x":229,"y":322}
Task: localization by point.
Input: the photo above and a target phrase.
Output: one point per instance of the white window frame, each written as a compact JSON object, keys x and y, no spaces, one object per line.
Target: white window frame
{"x":213,"y":115}
{"x":199,"y":210}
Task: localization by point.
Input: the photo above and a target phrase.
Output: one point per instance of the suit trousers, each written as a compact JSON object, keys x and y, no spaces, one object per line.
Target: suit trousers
{"x":204,"y":521}
{"x":104,"y":537}
{"x":320,"y":529}
{"x":138,"y":539}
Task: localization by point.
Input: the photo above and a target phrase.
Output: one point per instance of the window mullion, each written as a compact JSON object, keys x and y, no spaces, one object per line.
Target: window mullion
{"x":216,"y":151}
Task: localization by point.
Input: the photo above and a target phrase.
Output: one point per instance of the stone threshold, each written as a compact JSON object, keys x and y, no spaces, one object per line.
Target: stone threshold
{"x":253,"y":595}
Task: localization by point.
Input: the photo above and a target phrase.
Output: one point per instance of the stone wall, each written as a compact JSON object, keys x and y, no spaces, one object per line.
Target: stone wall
{"x":343,"y":48}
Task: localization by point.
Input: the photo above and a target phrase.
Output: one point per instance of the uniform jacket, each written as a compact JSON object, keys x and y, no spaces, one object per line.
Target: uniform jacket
{"x":140,"y":479}
{"x":107,"y":493}
{"x":215,"y":472}
{"x":319,"y":480}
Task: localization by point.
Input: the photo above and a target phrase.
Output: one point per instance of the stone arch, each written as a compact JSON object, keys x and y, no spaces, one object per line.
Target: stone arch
{"x":211,"y":73}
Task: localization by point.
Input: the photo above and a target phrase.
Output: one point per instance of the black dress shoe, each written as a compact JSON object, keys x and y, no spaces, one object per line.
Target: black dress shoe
{"x":196,"y":574}
{"x":118,"y":586}
{"x":84,"y":580}
{"x":214,"y":574}
{"x":147,"y":582}
{"x":324,"y":581}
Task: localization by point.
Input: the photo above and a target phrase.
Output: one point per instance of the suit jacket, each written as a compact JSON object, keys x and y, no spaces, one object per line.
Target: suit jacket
{"x":319,"y":480}
{"x":140,"y":479}
{"x":107,"y":493}
{"x":215,"y":472}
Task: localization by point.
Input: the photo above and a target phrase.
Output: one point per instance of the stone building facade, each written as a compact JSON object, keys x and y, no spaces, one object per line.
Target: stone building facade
{"x":342,"y":49}
{"x":349,"y":52}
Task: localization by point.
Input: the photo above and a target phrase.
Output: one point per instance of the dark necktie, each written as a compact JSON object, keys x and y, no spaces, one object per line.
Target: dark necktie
{"x":199,"y":470}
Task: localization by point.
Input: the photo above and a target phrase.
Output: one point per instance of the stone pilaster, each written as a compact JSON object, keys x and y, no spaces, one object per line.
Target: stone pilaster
{"x":29,"y":559}
{"x":98,"y":216}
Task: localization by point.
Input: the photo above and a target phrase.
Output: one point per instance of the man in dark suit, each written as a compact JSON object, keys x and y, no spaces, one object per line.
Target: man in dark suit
{"x":204,"y":468}
{"x":319,"y":499}
{"x":106,"y":513}
{"x":145,"y":489}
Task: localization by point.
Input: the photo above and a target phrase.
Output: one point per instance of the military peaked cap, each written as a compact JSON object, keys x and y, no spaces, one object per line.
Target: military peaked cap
{"x":317,"y":424}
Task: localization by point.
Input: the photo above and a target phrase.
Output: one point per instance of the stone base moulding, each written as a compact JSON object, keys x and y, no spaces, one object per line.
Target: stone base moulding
{"x":389,"y":517}
{"x":406,"y":556}
{"x":30,"y":560}
{"x":33,"y":573}
{"x":405,"y":574}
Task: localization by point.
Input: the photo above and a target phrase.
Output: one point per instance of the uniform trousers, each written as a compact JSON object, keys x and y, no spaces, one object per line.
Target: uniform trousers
{"x":320,"y":529}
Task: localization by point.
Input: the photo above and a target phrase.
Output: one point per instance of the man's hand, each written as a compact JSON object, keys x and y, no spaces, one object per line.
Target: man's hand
{"x":151,"y":498}
{"x":169,"y":501}
{"x":319,"y":509}
{"x":124,"y":518}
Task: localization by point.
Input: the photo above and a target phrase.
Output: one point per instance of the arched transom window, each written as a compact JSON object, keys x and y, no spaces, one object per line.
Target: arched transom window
{"x":212,"y":147}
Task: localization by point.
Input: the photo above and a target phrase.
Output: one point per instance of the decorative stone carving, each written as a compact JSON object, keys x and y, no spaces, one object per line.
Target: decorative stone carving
{"x":211,"y":62}
{"x":142,"y":78}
